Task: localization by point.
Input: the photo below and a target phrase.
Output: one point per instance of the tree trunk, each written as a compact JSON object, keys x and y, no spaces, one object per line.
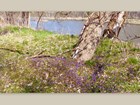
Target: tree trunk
{"x":96,"y":28}
{"x":10,"y":18}
{"x":37,"y":26}
{"x":25,"y":19}
{"x":17,"y":18}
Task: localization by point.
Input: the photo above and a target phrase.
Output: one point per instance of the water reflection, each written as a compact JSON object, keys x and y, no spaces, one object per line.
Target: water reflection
{"x":129,"y":31}
{"x":74,"y":27}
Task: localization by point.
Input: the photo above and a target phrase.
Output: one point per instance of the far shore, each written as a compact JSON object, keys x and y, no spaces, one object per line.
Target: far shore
{"x":133,"y":21}
{"x":59,"y":18}
{"x":130,"y":21}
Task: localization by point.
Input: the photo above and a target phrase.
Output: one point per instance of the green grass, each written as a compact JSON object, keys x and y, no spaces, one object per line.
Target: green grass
{"x":32,"y":42}
{"x":133,"y":60}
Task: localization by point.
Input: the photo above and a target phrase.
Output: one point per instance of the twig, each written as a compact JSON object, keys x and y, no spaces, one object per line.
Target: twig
{"x":42,"y":56}
{"x":66,"y":52}
{"x":41,"y":52}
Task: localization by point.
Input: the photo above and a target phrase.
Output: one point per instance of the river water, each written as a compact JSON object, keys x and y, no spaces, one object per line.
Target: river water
{"x":74,"y":27}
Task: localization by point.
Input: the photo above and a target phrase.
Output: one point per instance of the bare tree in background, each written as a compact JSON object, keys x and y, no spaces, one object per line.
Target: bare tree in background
{"x":94,"y":29}
{"x":17,"y":18}
{"x":25,"y":18}
{"x":40,"y":15}
{"x":2,"y":22}
{"x":61,"y":14}
{"x":10,"y":18}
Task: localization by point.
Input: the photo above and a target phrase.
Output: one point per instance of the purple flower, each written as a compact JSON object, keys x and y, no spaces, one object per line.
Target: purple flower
{"x":94,"y":77}
{"x":78,"y":81}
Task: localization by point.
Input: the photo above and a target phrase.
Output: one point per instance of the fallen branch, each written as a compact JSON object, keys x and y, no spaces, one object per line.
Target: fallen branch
{"x":41,"y":52}
{"x":44,"y":56}
{"x":11,"y":50}
{"x":66,"y":52}
{"x":41,"y":56}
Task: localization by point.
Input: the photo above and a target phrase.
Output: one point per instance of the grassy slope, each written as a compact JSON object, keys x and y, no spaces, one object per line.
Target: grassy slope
{"x":116,"y":65}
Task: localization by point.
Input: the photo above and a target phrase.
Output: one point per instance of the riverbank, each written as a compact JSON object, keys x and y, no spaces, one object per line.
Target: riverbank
{"x":133,"y":21}
{"x":59,"y":18}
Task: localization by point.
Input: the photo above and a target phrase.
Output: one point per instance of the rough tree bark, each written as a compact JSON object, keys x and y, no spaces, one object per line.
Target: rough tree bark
{"x":94,"y":29}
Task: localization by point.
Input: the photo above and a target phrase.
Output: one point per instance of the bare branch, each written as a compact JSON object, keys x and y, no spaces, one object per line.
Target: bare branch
{"x":39,"y":20}
{"x":11,"y":50}
{"x":135,"y":37}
